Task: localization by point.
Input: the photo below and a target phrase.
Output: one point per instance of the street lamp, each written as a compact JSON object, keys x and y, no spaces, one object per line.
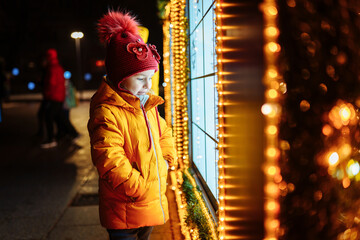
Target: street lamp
{"x":77,"y":36}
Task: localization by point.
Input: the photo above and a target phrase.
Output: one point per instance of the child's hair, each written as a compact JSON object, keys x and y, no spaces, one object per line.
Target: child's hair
{"x":127,"y":54}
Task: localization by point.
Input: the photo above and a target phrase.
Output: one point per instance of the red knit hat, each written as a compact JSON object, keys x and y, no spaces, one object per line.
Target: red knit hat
{"x":126,"y":54}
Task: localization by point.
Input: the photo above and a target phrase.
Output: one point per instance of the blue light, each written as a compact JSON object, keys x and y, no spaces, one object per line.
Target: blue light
{"x":67,"y":75}
{"x":87,"y":76}
{"x":31,"y":86}
{"x":15,"y":71}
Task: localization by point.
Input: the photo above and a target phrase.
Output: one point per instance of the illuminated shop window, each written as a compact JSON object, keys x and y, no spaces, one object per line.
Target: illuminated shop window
{"x":203,"y":98}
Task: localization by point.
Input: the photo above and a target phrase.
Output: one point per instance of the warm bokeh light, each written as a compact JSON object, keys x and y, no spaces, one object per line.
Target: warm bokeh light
{"x":272,"y":93}
{"x":273,"y":47}
{"x":271,"y":31}
{"x":272,"y":129}
{"x":272,"y":73}
{"x":272,"y":189}
{"x":327,"y":130}
{"x":346,"y":182}
{"x":304,"y":105}
{"x":272,"y":206}
{"x":271,"y":152}
{"x":283,"y":87}
{"x":345,"y":150}
{"x":271,"y":109}
{"x":345,"y":113}
{"x":272,"y":170}
{"x":271,"y":10}
{"x":352,"y":168}
{"x":266,"y":109}
{"x":333,"y":158}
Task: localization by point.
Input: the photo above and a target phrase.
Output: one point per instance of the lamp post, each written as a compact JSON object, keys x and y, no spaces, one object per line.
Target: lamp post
{"x":77,"y":36}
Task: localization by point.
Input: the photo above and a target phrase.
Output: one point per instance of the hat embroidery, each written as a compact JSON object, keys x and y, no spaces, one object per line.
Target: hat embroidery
{"x":154,"y":52}
{"x":139,"y":49}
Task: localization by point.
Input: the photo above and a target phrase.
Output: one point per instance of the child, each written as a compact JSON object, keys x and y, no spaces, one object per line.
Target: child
{"x":131,"y":146}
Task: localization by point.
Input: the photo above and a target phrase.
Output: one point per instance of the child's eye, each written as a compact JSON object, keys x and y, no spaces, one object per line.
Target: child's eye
{"x":141,"y":79}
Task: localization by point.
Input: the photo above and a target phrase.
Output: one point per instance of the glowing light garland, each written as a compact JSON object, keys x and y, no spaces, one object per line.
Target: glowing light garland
{"x":271,"y":109}
{"x":180,"y":117}
{"x":221,"y":161}
{"x":176,"y":179}
{"x":179,"y":79}
{"x":166,"y":64}
{"x":203,"y":206}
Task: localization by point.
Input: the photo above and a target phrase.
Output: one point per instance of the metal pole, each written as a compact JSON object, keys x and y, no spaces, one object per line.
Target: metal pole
{"x":79,"y":72}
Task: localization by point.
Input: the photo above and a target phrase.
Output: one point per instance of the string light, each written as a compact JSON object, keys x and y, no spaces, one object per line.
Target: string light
{"x":203,"y":206}
{"x":166,"y":64}
{"x":177,"y":81}
{"x":271,"y":109}
{"x":221,"y":120}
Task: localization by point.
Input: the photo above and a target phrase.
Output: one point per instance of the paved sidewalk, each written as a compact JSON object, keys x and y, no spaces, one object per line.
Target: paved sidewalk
{"x":81,"y":220}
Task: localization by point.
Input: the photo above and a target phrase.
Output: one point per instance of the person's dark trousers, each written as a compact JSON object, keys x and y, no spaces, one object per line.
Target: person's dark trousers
{"x":142,"y":233}
{"x":53,"y":114}
{"x":69,"y":129}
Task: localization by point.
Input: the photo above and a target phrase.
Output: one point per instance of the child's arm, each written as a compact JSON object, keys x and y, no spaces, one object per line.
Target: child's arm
{"x":167,"y":143}
{"x":108,"y":154}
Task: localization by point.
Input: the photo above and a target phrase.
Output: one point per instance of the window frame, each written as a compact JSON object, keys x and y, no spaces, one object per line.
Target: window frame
{"x":209,"y":196}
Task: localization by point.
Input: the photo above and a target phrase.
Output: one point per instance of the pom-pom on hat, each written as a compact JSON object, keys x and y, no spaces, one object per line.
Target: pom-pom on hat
{"x":126,"y":52}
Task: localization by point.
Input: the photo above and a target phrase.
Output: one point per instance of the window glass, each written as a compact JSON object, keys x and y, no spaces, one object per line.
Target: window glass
{"x":199,"y":149}
{"x":211,"y":165}
{"x":197,"y":102}
{"x":195,"y":12}
{"x":210,"y":111}
{"x":196,"y":52}
{"x":207,"y":4}
{"x":209,"y":43}
{"x":203,"y":97}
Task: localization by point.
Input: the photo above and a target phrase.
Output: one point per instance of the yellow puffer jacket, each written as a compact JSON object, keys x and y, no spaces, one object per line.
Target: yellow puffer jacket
{"x":132,"y":176}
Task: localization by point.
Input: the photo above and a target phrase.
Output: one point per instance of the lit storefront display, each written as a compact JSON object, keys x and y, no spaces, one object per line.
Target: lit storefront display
{"x":217,"y":178}
{"x":266,"y":117}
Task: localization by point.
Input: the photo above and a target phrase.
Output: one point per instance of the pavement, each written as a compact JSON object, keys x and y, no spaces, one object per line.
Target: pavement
{"x":52,"y":193}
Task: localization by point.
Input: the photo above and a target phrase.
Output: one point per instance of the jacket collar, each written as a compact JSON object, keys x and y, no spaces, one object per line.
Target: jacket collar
{"x":108,"y":94}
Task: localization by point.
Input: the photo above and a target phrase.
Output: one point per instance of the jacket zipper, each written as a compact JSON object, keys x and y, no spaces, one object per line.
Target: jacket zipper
{"x":157,"y":170}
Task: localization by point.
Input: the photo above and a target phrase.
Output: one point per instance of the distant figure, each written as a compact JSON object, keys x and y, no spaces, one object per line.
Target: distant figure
{"x":54,"y":96}
{"x":69,"y":103}
{"x":131,"y":145}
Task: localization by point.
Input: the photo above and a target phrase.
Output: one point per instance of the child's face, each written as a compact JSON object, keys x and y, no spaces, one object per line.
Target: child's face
{"x":140,"y":83}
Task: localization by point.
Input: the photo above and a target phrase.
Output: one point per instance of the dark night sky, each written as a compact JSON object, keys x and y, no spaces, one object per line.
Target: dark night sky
{"x":28,"y":28}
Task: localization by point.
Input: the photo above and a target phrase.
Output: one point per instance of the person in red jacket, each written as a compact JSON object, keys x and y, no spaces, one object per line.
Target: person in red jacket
{"x":54,"y":96}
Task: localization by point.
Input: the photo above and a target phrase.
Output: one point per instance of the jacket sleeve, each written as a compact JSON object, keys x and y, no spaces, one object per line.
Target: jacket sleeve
{"x":167,"y":143}
{"x":108,"y":154}
{"x":50,"y":83}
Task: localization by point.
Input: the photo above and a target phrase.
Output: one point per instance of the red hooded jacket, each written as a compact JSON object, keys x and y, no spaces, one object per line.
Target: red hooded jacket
{"x":54,"y":82}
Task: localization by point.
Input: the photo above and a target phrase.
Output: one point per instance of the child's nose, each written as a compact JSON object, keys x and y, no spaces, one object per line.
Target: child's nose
{"x":147,"y":85}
